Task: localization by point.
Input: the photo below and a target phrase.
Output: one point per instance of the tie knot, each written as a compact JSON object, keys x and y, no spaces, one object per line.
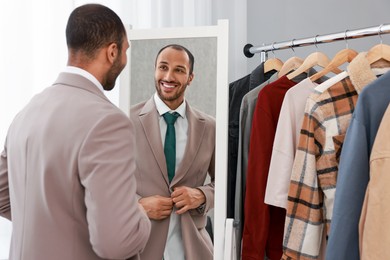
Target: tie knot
{"x":170,"y":118}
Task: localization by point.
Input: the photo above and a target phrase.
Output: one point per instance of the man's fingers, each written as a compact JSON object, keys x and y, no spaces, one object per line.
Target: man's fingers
{"x":180,"y":204}
{"x":178,"y":199}
{"x":166,"y":212}
{"x":166,"y":202}
{"x":177,"y":192}
{"x":166,"y":207}
{"x":182,"y":210}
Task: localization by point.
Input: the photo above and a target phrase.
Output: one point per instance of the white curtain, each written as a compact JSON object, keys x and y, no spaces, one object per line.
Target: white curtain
{"x":33,"y":48}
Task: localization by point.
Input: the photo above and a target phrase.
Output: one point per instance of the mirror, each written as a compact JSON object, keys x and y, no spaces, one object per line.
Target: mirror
{"x":208,"y":91}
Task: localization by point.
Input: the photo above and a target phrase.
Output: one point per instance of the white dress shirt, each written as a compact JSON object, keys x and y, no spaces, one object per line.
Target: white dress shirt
{"x":174,"y":248}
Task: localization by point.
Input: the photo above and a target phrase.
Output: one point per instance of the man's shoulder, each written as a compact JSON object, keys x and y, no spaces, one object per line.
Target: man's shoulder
{"x":136,"y":109}
{"x":202,"y":115}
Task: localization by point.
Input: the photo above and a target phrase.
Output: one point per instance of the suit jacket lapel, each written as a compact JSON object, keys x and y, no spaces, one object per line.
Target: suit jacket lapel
{"x":196,"y":127}
{"x":151,"y":128}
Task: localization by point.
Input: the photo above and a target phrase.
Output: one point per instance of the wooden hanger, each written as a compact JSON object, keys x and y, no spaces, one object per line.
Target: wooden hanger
{"x":272,"y":64}
{"x":341,"y":57}
{"x":315,"y":59}
{"x":379,"y":55}
{"x":292,"y":63}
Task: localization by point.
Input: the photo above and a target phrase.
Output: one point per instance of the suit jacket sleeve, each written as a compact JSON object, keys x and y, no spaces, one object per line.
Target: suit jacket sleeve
{"x":208,"y":189}
{"x":5,"y":205}
{"x":106,"y":165}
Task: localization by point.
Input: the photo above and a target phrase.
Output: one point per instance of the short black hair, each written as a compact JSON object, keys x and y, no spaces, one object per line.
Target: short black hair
{"x":93,"y":26}
{"x":179,"y":48}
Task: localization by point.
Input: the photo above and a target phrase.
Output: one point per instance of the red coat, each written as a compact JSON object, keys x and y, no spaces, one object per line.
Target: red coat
{"x":264,"y":224}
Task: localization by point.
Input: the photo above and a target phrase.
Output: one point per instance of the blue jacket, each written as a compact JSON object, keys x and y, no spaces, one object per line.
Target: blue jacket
{"x":353,"y":175}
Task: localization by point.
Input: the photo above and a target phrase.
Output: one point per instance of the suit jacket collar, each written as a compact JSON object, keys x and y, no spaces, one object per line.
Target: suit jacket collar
{"x":78,"y":81}
{"x":148,"y":117}
{"x":196,"y":127}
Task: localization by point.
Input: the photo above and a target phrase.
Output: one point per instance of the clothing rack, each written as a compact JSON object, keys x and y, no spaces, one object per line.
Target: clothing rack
{"x":250,"y":50}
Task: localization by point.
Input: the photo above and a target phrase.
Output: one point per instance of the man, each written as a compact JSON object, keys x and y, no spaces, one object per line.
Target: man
{"x":176,"y":200}
{"x":67,"y":170}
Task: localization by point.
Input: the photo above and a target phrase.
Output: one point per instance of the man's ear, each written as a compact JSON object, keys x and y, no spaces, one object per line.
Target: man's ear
{"x":190,"y":78}
{"x":112,"y":52}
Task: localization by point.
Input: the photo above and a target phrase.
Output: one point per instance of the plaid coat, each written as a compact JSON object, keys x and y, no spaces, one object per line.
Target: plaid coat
{"x":313,"y":180}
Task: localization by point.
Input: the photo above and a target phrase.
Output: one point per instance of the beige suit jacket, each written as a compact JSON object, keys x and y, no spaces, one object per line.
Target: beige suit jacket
{"x":152,"y":177}
{"x":67,"y":177}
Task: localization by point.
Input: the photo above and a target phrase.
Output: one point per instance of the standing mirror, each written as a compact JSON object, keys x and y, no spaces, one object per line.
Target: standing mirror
{"x":208,"y":91}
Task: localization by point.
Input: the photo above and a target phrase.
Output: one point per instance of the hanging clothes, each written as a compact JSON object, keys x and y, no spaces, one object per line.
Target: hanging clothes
{"x":247,"y":108}
{"x":285,"y":143}
{"x":312,"y":187}
{"x":263,"y":227}
{"x":353,"y":175}
{"x":374,"y":226}
{"x":237,"y":90}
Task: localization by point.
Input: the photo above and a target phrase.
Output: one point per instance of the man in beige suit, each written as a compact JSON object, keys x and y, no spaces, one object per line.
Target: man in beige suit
{"x":176,"y":207}
{"x":67,"y":170}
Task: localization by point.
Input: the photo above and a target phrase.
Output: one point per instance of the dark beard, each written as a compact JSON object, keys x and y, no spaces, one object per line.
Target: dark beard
{"x":113,"y":74}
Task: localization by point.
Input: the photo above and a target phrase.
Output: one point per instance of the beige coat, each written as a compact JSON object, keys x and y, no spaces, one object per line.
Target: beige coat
{"x":152,"y":177}
{"x":374,"y":226}
{"x":69,"y":165}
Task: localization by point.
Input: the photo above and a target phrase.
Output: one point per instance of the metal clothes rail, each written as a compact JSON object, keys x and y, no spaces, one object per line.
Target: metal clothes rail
{"x":250,"y":50}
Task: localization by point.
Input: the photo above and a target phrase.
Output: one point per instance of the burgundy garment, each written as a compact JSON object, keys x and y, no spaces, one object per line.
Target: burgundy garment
{"x":264,"y":224}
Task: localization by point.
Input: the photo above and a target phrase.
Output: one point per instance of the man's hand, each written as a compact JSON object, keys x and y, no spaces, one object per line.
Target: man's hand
{"x":157,"y":207}
{"x":186,"y":198}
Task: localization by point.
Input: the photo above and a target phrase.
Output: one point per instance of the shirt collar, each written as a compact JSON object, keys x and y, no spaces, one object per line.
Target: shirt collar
{"x":162,"y":108}
{"x":85,"y":74}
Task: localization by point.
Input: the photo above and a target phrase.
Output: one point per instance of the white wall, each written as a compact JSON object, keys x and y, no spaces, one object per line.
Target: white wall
{"x":284,"y":20}
{"x":235,"y":11}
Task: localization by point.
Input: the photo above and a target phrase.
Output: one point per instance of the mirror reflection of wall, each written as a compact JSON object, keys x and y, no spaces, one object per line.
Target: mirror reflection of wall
{"x":201,"y":93}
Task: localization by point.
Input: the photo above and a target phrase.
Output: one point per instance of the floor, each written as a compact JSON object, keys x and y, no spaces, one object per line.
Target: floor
{"x":5,"y":237}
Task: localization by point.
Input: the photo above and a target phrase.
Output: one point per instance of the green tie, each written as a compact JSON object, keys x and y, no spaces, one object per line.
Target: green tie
{"x":170,"y":143}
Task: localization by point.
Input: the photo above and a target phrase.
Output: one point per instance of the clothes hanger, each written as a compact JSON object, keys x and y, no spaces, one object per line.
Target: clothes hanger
{"x":291,"y":64}
{"x":379,"y":55}
{"x":341,"y":57}
{"x":315,"y":59}
{"x":379,"y":52}
{"x":273,"y":63}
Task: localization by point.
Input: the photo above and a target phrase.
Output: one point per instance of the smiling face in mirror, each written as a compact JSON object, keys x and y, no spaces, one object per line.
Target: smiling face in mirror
{"x":203,"y":86}
{"x":173,"y":73}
